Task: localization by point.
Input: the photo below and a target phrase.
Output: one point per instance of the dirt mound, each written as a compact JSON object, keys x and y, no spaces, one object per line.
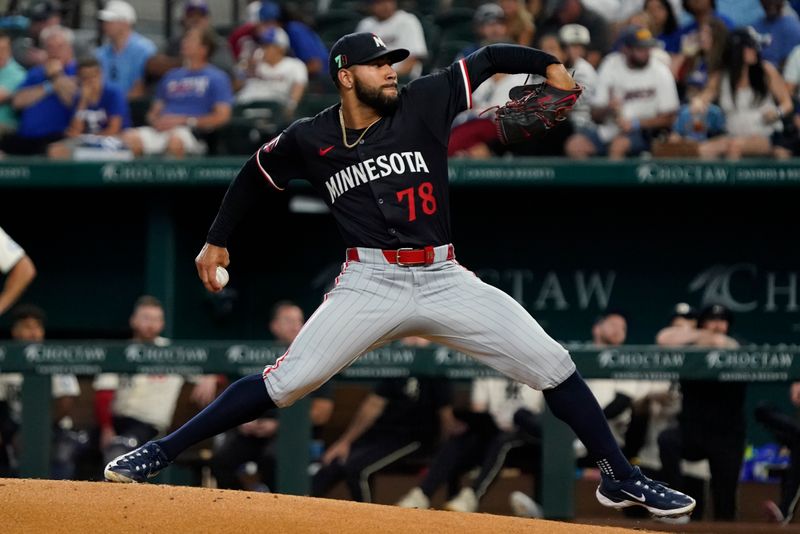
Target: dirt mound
{"x":59,"y":506}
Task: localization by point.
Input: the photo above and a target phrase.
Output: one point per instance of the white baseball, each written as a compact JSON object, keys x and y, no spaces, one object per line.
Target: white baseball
{"x":222,"y":276}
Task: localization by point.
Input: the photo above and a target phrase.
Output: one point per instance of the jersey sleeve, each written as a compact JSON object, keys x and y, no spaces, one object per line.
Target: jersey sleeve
{"x":10,"y":252}
{"x":279,"y":160}
{"x":439,"y":97}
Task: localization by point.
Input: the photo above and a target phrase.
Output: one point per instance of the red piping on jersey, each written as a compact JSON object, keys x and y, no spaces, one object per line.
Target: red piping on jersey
{"x":265,"y":173}
{"x":274,"y":366}
{"x":467,"y":83}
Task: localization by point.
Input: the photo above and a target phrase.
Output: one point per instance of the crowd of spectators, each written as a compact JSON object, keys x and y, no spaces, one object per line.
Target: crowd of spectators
{"x":702,"y":78}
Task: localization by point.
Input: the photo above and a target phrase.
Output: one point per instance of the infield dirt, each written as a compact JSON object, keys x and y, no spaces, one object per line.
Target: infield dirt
{"x":47,"y":506}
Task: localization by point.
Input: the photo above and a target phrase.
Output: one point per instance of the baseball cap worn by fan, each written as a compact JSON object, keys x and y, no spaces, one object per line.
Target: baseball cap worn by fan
{"x":196,"y":5}
{"x":117,"y":11}
{"x":636,"y":36}
{"x":574,"y":34}
{"x":684,"y":311}
{"x":41,"y":11}
{"x":715,"y":311}
{"x":274,"y":36}
{"x":358,"y":49}
{"x":487,"y":13}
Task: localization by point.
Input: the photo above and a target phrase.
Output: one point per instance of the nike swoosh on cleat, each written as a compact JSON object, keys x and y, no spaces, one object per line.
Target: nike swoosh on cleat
{"x":323,"y":151}
{"x":639,"y":498}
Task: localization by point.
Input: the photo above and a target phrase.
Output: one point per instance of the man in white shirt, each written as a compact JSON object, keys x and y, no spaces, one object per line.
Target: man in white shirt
{"x":398,"y":29}
{"x":272,"y":75}
{"x":791,"y":72}
{"x":635,"y":100}
{"x":18,"y":269}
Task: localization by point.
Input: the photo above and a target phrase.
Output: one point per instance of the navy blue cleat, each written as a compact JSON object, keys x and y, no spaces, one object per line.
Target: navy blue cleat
{"x":638,"y":490}
{"x":137,"y":465}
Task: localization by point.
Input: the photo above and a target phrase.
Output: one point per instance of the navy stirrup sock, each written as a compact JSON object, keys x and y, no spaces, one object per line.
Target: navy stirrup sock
{"x":244,"y":400}
{"x":573,"y":402}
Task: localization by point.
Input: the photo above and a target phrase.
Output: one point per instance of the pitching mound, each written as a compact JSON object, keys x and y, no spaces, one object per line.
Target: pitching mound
{"x":57,"y":506}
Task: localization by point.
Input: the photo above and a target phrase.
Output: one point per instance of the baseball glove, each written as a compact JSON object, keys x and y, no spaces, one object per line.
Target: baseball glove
{"x":532,"y":110}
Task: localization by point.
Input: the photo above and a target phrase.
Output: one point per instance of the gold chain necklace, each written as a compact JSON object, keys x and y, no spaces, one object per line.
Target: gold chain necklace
{"x":344,"y":130}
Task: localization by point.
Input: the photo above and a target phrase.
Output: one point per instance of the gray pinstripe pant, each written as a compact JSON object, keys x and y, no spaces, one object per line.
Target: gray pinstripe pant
{"x":375,"y":302}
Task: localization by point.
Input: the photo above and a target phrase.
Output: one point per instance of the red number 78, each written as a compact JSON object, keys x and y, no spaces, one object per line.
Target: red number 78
{"x":425,"y":191}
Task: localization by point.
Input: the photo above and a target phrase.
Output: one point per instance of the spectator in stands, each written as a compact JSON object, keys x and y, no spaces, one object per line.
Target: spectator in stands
{"x":125,"y":52}
{"x":519,"y":21}
{"x":196,"y":15}
{"x":11,"y":76}
{"x":474,"y":132}
{"x":786,"y":430}
{"x":699,"y":62}
{"x":101,"y":110}
{"x":132,"y":409}
{"x":28,"y":326}
{"x":274,"y":76}
{"x":696,"y":123}
{"x":753,"y":96}
{"x":574,"y":12}
{"x":663,"y":23}
{"x":305,"y":43}
{"x":702,"y":11}
{"x":45,"y":99}
{"x":254,"y":442}
{"x":29,"y":50}
{"x":615,"y":12}
{"x":571,"y":49}
{"x":636,"y":99}
{"x":197,"y":96}
{"x":504,"y":416}
{"x":741,"y":12}
{"x":791,"y":73}
{"x":490,"y":27}
{"x":712,"y":421}
{"x":399,"y":418}
{"x":781,"y":32}
{"x":18,"y":269}
{"x":397,"y":29}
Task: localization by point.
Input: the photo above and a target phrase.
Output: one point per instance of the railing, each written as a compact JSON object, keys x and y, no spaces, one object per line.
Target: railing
{"x":38,"y":361}
{"x":25,"y":172}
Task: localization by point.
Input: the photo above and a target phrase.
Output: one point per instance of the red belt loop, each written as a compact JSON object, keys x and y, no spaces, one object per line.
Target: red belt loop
{"x":430,"y":255}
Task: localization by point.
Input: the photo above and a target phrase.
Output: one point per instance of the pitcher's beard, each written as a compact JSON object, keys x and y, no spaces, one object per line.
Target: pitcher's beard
{"x":381,"y":102}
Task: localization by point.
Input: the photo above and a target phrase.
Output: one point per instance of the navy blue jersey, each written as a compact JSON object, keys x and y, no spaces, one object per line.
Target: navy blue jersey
{"x":390,"y":190}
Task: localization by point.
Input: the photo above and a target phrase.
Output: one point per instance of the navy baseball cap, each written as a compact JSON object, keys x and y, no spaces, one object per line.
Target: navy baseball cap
{"x":637,"y":36}
{"x":360,"y":48}
{"x":196,"y":5}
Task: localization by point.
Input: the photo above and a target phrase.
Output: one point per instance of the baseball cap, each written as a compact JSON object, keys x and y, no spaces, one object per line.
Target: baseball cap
{"x":488,"y":13}
{"x":42,"y":11}
{"x":196,"y":5}
{"x":269,"y":11}
{"x":360,"y":48}
{"x":574,"y":34}
{"x":684,"y":310}
{"x":715,"y":311}
{"x":276,"y":36}
{"x":117,"y":11}
{"x":637,"y":36}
